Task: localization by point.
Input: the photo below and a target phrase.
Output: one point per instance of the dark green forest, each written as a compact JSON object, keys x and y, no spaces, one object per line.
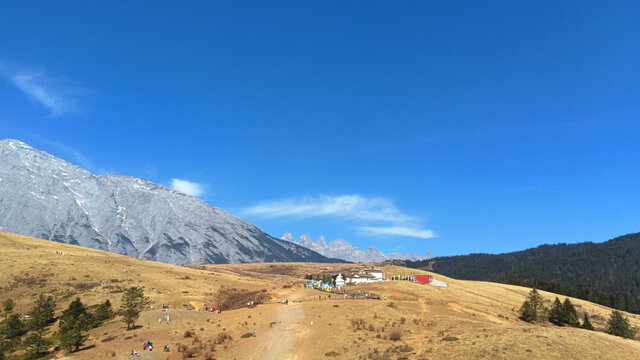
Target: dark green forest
{"x":606,"y":273}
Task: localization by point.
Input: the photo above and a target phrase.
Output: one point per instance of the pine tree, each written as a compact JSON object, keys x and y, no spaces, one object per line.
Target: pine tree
{"x":7,"y":306}
{"x":527,"y":312}
{"x":37,"y":344}
{"x":533,"y":307}
{"x":619,"y":325}
{"x":556,"y":314}
{"x":570,"y":317}
{"x":75,"y":322}
{"x":40,"y":315}
{"x":536,"y":301}
{"x":14,"y":327}
{"x":586,"y":324}
{"x":133,"y":302}
{"x":104,"y":311}
{"x":73,"y":312}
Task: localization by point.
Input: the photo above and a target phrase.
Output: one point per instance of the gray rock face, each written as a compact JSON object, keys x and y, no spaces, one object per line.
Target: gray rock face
{"x":46,"y":197}
{"x":340,"y":249}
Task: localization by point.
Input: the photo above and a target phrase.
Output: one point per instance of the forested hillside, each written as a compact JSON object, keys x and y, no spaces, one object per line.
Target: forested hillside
{"x":607,"y":273}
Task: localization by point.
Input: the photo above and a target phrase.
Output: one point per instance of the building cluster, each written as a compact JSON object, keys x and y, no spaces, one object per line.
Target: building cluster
{"x":361,"y":276}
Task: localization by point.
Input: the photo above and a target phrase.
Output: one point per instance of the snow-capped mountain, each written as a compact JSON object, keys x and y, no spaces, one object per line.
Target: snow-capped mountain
{"x":46,"y":197}
{"x":340,"y":249}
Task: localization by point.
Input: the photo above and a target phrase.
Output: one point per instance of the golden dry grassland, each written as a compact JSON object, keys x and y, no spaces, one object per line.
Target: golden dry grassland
{"x":467,"y":320}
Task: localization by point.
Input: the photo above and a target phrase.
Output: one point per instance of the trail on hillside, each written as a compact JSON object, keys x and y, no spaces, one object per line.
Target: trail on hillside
{"x":286,"y":339}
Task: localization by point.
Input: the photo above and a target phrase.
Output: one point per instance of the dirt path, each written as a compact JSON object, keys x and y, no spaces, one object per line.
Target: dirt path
{"x":289,"y":333}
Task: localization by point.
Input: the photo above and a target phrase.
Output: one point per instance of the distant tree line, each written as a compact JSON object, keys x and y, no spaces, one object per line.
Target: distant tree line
{"x":606,"y":273}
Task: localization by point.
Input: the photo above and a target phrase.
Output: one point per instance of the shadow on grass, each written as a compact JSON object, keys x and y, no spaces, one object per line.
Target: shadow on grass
{"x":86,"y":348}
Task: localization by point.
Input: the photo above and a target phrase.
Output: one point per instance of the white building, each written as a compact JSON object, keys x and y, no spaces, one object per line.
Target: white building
{"x":339,"y":281}
{"x":364,"y":276}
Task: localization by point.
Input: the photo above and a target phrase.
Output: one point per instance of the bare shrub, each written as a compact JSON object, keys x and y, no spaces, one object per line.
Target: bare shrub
{"x":188,"y":334}
{"x":222,"y":336}
{"x":395,"y":335}
{"x":85,"y":285}
{"x":331,"y":353}
{"x":190,"y":352}
{"x":358,"y":324}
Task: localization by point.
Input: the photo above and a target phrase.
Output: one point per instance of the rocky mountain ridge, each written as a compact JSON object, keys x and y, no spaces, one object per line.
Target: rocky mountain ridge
{"x":340,"y":249}
{"x":48,"y":198}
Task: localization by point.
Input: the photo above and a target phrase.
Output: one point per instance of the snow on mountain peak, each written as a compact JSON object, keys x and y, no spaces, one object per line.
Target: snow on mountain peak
{"x":49,"y":198}
{"x":341,"y":249}
{"x":288,"y":237}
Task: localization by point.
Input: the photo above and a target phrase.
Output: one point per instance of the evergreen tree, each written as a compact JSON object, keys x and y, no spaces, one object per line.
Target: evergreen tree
{"x":8,"y":306}
{"x":75,"y":322}
{"x":586,"y":324}
{"x":527,"y":312}
{"x":74,"y":311}
{"x":40,"y":316}
{"x":133,"y":302}
{"x":556,"y":314}
{"x":536,"y":301}
{"x":104,"y":311}
{"x":570,"y":317}
{"x":619,"y":325}
{"x":37,"y":344}
{"x":14,"y":327}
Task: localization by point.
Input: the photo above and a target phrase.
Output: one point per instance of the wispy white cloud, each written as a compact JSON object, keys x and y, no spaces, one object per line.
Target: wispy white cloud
{"x":188,"y":187}
{"x":378,"y":216}
{"x":42,"y":88}
{"x":416,"y":232}
{"x":344,"y":206}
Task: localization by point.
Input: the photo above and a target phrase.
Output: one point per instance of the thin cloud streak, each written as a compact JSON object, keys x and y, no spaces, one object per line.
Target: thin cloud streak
{"x":378,"y":216}
{"x":38,"y":86}
{"x":343,"y":206}
{"x":398,"y":231}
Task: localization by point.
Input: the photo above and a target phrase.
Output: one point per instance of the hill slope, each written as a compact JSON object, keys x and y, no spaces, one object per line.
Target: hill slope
{"x":607,"y":273}
{"x":49,"y":198}
{"x":467,"y":320}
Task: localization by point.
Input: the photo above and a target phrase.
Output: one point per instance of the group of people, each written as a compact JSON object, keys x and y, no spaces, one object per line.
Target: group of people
{"x":165,"y":318}
{"x":149,"y":346}
{"x":215,"y":309}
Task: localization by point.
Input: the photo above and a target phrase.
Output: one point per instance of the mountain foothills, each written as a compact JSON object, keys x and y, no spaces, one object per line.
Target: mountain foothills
{"x":607,"y":273}
{"x":340,"y":249}
{"x":379,"y":320}
{"x":49,"y":198}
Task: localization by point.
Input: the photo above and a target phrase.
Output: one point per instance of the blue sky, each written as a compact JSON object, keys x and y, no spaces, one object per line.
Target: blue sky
{"x":413,"y":126}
